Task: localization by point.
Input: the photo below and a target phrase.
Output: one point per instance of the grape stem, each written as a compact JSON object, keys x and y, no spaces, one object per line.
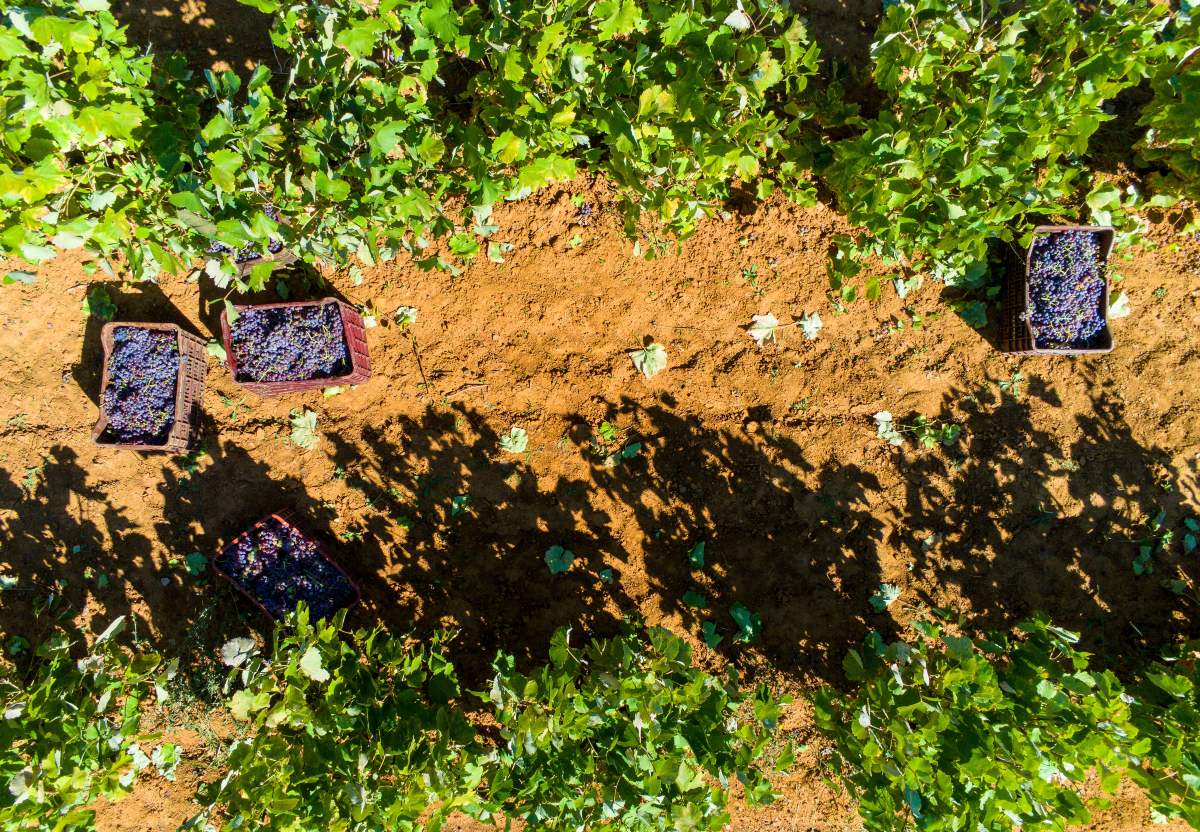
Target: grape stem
{"x":412,"y":339}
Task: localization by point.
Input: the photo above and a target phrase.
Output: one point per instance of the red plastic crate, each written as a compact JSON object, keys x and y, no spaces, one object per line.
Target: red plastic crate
{"x":189,"y":389}
{"x":356,"y":344}
{"x":284,"y":518}
{"x":1016,"y":336}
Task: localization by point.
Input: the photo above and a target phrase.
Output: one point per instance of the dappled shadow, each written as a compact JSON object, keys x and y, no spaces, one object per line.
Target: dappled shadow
{"x":1113,"y":147}
{"x":209,"y":497}
{"x":1008,"y":521}
{"x":67,"y":548}
{"x":443,"y":529}
{"x":449,"y":531}
{"x":456,"y":532}
{"x":457,"y":537}
{"x":212,"y":34}
{"x":794,"y":545}
{"x":61,"y":537}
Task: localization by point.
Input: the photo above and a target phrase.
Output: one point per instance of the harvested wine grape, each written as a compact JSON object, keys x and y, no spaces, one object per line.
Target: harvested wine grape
{"x":290,"y":343}
{"x":279,"y":567}
{"x":1066,"y":290}
{"x":139,"y":399}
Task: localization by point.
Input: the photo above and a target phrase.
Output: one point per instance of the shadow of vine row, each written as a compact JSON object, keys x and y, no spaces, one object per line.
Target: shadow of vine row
{"x":448,"y":531}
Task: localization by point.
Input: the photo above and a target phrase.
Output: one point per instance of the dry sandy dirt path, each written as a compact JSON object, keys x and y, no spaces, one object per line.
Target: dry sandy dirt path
{"x":768,"y":455}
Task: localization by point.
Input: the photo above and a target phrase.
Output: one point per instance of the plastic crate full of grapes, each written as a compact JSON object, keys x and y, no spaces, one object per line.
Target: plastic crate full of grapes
{"x":277,"y":566}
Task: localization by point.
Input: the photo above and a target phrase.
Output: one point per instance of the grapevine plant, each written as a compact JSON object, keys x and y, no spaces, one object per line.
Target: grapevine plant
{"x":988,"y":110}
{"x":950,"y":733}
{"x":391,"y":112}
{"x":675,"y":102}
{"x":384,"y":116}
{"x":1172,"y":119}
{"x":1167,"y":712}
{"x":357,"y":733}
{"x":94,"y":132}
{"x":623,"y":734}
{"x":71,"y":730}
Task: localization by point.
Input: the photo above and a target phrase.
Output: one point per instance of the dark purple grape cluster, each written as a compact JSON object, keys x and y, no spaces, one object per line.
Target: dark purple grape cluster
{"x":139,"y":400}
{"x":250,"y":252}
{"x":1066,"y":290}
{"x":280,"y":567}
{"x":290,"y":343}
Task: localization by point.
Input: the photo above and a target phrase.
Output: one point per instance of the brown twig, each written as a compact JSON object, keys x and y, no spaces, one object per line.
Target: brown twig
{"x":417,"y":354}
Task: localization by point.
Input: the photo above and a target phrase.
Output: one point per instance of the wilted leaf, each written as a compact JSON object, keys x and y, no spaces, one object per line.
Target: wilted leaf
{"x":650,"y":359}
{"x":235,"y":651}
{"x":304,"y":429}
{"x":763,"y":328}
{"x":738,"y":20}
{"x":515,"y":441}
{"x":405,"y":316}
{"x":884,"y":597}
{"x":885,"y":428}
{"x":810,"y":325}
{"x":217,"y":351}
{"x":18,"y":276}
{"x":1118,"y":305}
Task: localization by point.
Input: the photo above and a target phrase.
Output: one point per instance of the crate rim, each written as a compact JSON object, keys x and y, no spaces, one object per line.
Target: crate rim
{"x":360,"y":370}
{"x":182,"y":337}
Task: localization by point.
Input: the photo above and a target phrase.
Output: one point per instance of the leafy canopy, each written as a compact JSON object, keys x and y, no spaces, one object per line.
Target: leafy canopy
{"x":1172,"y":119}
{"x":951,"y":734}
{"x":987,"y":110}
{"x":386,"y":114}
{"x":71,"y":730}
{"x":356,"y":733}
{"x":623,"y":734}
{"x":1166,"y":711}
{"x":674,"y":102}
{"x":94,"y":132}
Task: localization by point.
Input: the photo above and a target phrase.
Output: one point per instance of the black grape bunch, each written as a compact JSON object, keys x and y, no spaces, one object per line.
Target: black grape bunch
{"x":143,"y":370}
{"x":290,"y":343}
{"x":251,"y":252}
{"x":281,"y":568}
{"x":1066,"y":290}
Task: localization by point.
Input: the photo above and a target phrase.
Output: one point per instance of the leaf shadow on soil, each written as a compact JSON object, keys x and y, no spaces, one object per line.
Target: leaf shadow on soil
{"x":209,"y":33}
{"x":58,"y":534}
{"x":456,"y":536}
{"x":801,"y":545}
{"x":209,"y":497}
{"x":782,"y":551}
{"x":1019,"y":523}
{"x":1010,"y":521}
{"x":61,"y":536}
